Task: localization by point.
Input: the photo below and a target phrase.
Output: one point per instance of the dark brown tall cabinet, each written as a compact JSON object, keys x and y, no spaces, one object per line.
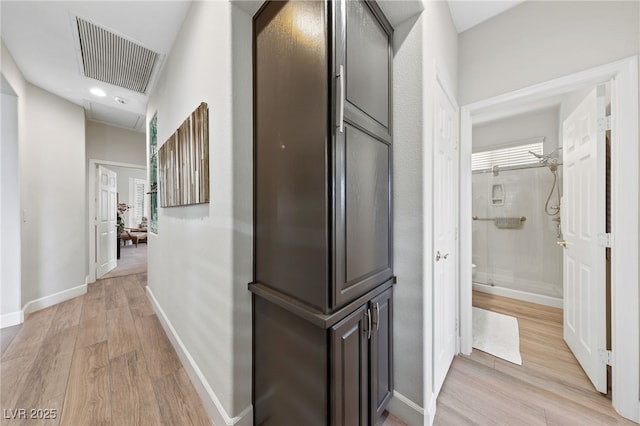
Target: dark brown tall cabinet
{"x":322,"y":290}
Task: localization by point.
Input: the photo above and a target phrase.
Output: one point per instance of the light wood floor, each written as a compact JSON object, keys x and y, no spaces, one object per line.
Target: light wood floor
{"x":99,"y":359}
{"x":133,"y":260}
{"x":549,"y":388}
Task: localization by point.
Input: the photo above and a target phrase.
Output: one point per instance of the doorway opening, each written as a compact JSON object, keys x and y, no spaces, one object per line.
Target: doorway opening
{"x":518,"y":241}
{"x":123,"y":211}
{"x":624,"y":197}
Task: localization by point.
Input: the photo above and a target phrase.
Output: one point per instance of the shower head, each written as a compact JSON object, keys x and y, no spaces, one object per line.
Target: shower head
{"x":547,"y":159}
{"x":540,"y":156}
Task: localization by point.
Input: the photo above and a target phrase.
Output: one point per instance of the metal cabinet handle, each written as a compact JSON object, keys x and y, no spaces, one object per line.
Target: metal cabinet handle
{"x":340,"y":77}
{"x":368,"y":315}
{"x":376,"y":307}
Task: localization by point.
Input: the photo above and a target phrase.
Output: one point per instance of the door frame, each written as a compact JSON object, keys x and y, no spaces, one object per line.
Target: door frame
{"x":624,"y":209}
{"x":91,"y":204}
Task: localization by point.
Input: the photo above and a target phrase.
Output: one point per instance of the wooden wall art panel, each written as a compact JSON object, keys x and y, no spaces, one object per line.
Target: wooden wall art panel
{"x":183,"y":162}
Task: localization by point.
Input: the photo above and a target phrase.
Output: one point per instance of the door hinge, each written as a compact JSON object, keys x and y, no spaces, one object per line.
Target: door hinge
{"x":604,"y":240}
{"x":604,"y":123}
{"x":394,"y":280}
{"x":606,"y":357}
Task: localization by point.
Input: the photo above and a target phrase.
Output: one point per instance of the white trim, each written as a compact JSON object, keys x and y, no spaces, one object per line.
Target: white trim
{"x":625,"y":159}
{"x":431,"y":412}
{"x":405,"y":409}
{"x":91,"y":207}
{"x":625,"y":208}
{"x":11,"y":319}
{"x":54,"y":299}
{"x":211,"y":403}
{"x":540,"y":299}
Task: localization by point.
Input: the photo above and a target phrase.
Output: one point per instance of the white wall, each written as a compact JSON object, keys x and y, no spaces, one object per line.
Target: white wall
{"x":110,"y":143}
{"x":541,"y":40}
{"x":408,"y":209}
{"x":201,"y":260}
{"x":523,"y":126}
{"x":51,"y":145}
{"x":53,"y":196}
{"x":425,"y":48}
{"x":10,"y":299}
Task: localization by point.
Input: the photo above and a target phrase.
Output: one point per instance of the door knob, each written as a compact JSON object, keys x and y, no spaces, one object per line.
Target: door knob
{"x":562,"y":243}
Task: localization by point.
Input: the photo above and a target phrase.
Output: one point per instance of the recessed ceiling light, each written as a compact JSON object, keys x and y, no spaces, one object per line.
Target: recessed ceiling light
{"x":120,"y":100}
{"x":96,"y":91}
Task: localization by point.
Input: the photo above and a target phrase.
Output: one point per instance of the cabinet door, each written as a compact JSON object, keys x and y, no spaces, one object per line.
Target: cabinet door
{"x":363,"y":49}
{"x":349,"y":369}
{"x":362,"y":151}
{"x":290,"y":155}
{"x":381,"y":353}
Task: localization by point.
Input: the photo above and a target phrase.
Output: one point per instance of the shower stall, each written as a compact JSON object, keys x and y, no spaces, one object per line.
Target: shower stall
{"x":516,"y":229}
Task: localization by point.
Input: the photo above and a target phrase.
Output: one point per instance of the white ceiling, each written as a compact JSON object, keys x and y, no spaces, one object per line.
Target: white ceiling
{"x":469,"y":13}
{"x":42,"y":38}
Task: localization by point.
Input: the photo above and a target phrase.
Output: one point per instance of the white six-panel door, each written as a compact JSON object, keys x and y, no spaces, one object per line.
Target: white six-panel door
{"x":106,"y":221}
{"x":583,"y":224}
{"x":445,"y":219}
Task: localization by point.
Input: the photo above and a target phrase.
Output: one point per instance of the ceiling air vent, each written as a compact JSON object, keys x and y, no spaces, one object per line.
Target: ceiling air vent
{"x":115,"y":60}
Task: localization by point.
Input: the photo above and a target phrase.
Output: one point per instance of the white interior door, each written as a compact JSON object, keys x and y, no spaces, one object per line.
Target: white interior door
{"x":445,"y":219}
{"x":583,"y":224}
{"x":106,"y":221}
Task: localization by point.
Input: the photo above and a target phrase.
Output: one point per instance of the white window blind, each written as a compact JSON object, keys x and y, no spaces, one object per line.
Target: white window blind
{"x":504,"y":157}
{"x":136,"y":201}
{"x":139,"y":204}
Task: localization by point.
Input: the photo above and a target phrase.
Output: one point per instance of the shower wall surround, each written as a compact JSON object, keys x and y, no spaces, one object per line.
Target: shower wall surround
{"x":525,"y":262}
{"x":526,"y":259}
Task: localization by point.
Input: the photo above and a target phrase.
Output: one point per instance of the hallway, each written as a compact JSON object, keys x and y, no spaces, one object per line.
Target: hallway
{"x":101,"y":358}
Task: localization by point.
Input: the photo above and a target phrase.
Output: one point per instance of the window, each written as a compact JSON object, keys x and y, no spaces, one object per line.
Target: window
{"x":136,"y":197}
{"x":153,"y":174}
{"x":512,"y":156}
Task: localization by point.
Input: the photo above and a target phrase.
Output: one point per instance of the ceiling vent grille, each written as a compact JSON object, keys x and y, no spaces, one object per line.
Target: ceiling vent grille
{"x":115,"y":60}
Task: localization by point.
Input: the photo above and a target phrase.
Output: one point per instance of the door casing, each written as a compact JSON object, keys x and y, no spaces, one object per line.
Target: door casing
{"x":624,"y":211}
{"x":91,"y":204}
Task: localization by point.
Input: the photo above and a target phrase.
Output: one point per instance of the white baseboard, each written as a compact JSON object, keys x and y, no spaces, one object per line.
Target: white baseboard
{"x":211,"y":403}
{"x":406,"y":410}
{"x":11,"y":319}
{"x":520,"y":295}
{"x":54,"y":299}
